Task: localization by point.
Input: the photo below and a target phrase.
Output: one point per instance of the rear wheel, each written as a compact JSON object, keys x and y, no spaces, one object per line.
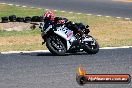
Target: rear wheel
{"x":55,"y":45}
{"x":91,"y":47}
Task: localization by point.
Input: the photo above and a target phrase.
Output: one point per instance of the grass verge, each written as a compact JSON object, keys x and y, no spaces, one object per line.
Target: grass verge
{"x":108,"y":31}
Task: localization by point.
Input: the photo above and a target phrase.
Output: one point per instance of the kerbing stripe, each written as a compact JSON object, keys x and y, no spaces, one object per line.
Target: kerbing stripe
{"x":44,"y":51}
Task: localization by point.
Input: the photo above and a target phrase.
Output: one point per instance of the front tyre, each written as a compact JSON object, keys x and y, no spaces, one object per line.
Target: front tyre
{"x":55,"y":45}
{"x":91,"y":47}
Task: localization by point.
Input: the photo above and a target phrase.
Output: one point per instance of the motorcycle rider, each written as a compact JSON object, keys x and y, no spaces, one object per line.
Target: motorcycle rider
{"x":50,"y":19}
{"x":63,"y":36}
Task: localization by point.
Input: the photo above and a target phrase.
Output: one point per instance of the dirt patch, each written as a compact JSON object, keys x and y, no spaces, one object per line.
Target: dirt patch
{"x":17,"y":26}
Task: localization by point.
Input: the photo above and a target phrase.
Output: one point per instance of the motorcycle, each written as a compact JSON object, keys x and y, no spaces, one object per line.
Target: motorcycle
{"x":62,"y":39}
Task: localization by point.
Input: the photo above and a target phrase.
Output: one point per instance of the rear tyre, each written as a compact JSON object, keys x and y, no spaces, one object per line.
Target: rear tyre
{"x":55,"y":45}
{"x":92,"y":48}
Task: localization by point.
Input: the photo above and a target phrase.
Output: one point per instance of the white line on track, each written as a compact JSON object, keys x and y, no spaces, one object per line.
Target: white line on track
{"x":127,"y":19}
{"x":99,"y":15}
{"x":44,"y":51}
{"x":107,"y":16}
{"x":40,"y":8}
{"x":11,"y":52}
{"x":88,"y":14}
{"x":46,"y":9}
{"x":32,"y":7}
{"x":3,"y":3}
{"x":55,"y":10}
{"x":10,"y":4}
{"x":62,"y":11}
{"x":70,"y":12}
{"x":118,"y":17}
{"x":24,"y":6}
{"x":17,"y":5}
{"x":123,"y":47}
{"x":78,"y":13}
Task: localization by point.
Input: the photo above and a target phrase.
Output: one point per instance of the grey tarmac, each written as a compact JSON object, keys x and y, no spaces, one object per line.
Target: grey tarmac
{"x":43,"y":70}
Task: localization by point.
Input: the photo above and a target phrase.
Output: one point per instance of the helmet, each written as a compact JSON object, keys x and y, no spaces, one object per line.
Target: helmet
{"x":49,"y":15}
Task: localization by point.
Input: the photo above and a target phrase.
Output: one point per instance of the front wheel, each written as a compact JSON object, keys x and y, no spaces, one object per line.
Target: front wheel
{"x":55,"y":45}
{"x":91,"y":47}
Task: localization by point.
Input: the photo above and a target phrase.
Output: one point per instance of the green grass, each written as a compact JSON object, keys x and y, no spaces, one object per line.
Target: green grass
{"x":6,"y":10}
{"x":108,"y":31}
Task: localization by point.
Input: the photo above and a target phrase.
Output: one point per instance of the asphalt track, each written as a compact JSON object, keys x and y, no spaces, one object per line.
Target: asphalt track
{"x":43,"y":70}
{"x":102,"y":7}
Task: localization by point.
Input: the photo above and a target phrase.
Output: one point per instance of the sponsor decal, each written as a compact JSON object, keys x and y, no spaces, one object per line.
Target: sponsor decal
{"x":69,"y":34}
